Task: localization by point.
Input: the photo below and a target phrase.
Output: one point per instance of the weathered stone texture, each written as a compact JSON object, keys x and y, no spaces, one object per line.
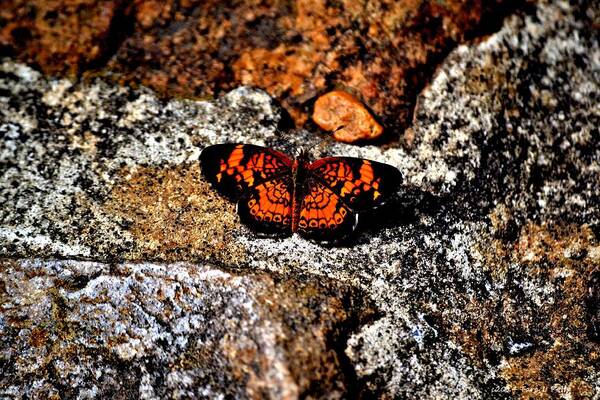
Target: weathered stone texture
{"x":177,"y":330}
{"x":478,"y":283}
{"x":61,"y":36}
{"x":383,"y":51}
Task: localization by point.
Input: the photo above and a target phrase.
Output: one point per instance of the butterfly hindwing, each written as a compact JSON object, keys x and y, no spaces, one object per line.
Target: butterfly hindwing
{"x":360,"y":184}
{"x":234,"y":168}
{"x":267,"y":207}
{"x":323,"y":216}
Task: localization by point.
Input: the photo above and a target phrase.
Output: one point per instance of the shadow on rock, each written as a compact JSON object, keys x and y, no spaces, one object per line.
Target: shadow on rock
{"x":403,"y":210}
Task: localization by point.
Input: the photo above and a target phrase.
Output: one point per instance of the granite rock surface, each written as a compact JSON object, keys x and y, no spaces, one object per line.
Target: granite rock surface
{"x":124,"y":274}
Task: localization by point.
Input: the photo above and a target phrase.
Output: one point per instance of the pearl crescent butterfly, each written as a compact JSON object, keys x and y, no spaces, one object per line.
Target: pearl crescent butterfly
{"x":278,"y":195}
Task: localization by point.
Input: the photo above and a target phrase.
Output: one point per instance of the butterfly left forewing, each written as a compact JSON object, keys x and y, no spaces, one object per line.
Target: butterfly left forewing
{"x":259,"y":179}
{"x":233,"y":168}
{"x":361,"y":184}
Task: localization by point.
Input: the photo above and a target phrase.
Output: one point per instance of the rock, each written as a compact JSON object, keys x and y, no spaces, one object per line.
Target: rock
{"x":61,"y":36}
{"x":593,"y":303}
{"x":87,"y":329}
{"x":478,"y":277}
{"x":296,"y":51}
{"x":293,"y":50}
{"x":342,"y":114}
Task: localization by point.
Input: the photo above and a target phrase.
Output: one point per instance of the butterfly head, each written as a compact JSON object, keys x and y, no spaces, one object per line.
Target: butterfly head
{"x":302,"y":156}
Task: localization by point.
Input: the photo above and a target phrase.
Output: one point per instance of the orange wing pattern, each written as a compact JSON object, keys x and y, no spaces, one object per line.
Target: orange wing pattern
{"x":267,"y":207}
{"x":234,"y":168}
{"x":323,"y":215}
{"x":361,"y":184}
{"x":277,"y":196}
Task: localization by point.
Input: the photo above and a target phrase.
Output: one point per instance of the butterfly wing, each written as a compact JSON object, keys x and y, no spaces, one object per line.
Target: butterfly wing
{"x":259,"y":178}
{"x":267,"y":207}
{"x":323,"y":215}
{"x":360,"y":184}
{"x":234,"y":168}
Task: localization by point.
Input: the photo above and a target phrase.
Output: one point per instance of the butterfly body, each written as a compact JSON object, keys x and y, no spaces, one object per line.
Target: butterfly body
{"x":298,"y":177}
{"x":278,"y":195}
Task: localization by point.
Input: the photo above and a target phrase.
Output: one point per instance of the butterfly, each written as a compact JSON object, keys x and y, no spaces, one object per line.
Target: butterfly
{"x":278,"y":195}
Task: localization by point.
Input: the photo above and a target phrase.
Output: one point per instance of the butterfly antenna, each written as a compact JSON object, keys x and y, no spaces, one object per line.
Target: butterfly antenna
{"x":302,"y":154}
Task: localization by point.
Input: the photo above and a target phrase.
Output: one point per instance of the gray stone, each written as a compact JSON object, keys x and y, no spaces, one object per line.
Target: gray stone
{"x":475,"y":281}
{"x":85,"y":329}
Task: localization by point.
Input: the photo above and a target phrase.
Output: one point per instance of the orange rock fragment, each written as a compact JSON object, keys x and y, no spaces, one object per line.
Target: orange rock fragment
{"x":346,"y":117}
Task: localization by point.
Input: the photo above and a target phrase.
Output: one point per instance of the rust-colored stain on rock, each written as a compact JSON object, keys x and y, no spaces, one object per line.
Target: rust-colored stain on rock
{"x":174,"y":215}
{"x":58,"y":36}
{"x":345,"y":116}
{"x":38,"y":337}
{"x":385,"y":51}
{"x":566,"y":253}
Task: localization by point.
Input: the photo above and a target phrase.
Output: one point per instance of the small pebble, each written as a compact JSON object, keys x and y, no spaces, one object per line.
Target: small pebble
{"x":346,"y":117}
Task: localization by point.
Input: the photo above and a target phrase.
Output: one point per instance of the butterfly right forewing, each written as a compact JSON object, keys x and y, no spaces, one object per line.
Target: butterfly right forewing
{"x":361,"y":184}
